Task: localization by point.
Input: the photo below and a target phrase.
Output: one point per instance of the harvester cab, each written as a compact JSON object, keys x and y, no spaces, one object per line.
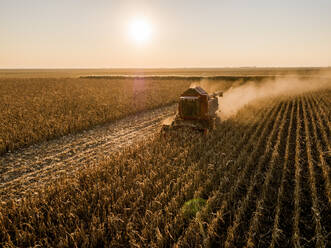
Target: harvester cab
{"x":197,"y":110}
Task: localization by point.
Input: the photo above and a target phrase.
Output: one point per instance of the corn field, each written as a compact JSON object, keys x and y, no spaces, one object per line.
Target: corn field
{"x":264,"y":175}
{"x":38,"y":109}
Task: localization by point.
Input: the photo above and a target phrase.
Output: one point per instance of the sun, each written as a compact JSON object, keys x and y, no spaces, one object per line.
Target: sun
{"x":140,"y":30}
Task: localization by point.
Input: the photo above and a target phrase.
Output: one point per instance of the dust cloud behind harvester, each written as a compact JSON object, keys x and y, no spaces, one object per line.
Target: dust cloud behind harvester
{"x":239,"y":93}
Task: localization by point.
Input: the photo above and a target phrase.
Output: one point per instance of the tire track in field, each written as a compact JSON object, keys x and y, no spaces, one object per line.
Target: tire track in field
{"x":26,"y":169}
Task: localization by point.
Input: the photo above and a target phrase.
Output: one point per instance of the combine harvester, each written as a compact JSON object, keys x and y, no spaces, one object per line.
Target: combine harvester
{"x":196,"y":110}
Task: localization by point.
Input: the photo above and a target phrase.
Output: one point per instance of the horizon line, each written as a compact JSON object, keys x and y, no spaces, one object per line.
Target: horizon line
{"x":144,"y":68}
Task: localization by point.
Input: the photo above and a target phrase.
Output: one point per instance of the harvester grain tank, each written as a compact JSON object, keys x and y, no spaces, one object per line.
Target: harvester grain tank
{"x":197,"y":110}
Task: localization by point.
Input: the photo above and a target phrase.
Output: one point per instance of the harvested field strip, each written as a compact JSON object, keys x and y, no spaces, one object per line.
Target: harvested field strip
{"x":263,"y":173}
{"x":24,"y":170}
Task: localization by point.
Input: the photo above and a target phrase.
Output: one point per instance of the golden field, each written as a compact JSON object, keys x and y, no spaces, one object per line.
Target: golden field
{"x":264,"y":175}
{"x":211,"y":72}
{"x":38,"y":109}
{"x":261,"y":179}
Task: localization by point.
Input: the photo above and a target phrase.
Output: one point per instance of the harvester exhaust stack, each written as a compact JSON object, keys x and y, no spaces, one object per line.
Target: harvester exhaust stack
{"x":197,"y":110}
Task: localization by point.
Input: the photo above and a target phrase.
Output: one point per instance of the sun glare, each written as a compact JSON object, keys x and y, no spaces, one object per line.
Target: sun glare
{"x":140,"y":30}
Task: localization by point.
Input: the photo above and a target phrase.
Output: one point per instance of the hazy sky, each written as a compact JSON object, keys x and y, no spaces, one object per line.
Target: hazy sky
{"x":184,"y":33}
